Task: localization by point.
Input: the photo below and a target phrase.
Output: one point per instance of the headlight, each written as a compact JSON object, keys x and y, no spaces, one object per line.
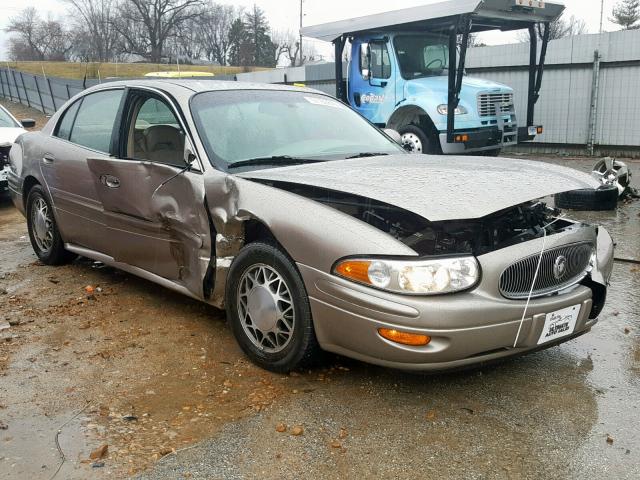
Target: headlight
{"x":444,"y":109}
{"x":422,"y":277}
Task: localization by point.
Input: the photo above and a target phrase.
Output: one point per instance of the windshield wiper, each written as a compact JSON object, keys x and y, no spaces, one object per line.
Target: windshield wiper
{"x":274,"y":160}
{"x":366,"y":154}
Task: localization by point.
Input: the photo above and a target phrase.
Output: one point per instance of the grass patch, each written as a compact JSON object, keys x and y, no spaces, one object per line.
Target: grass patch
{"x":105,"y":70}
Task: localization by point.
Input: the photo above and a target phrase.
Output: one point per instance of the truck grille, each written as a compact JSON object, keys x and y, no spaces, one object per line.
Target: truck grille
{"x":486,"y":102}
{"x":515,"y":281}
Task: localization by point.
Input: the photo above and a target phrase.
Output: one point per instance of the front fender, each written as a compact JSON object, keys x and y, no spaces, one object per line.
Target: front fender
{"x":311,"y":233}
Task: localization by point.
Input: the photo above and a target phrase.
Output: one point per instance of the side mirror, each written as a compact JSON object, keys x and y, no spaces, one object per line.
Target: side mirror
{"x":365,"y":61}
{"x":28,"y":123}
{"x":394,"y":135}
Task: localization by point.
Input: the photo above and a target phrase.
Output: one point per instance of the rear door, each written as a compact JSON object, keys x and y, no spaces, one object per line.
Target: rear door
{"x":155,"y":210}
{"x":85,"y":130}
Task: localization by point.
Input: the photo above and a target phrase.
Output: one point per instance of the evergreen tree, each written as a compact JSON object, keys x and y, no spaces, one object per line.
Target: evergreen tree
{"x":237,"y":43}
{"x":626,"y":14}
{"x":260,"y":47}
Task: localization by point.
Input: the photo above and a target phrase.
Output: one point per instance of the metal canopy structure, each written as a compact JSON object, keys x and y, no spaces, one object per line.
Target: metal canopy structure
{"x":454,"y":18}
{"x":505,"y":15}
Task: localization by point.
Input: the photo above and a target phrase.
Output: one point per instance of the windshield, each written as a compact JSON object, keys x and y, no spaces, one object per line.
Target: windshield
{"x":422,"y":55}
{"x":6,"y":120}
{"x":241,"y":125}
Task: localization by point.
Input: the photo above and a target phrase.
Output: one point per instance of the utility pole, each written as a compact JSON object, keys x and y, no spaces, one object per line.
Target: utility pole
{"x":601,"y":14}
{"x":301,"y":32}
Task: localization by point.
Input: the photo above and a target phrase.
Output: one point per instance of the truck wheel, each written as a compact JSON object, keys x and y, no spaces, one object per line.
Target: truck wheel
{"x":604,"y":198}
{"x":414,"y":140}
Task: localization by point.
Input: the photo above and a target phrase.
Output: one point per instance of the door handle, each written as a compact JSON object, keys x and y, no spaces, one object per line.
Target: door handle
{"x":48,"y":158}
{"x":110,"y":181}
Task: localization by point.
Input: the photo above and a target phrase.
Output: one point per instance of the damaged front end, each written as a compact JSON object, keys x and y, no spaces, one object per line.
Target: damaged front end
{"x":517,"y":224}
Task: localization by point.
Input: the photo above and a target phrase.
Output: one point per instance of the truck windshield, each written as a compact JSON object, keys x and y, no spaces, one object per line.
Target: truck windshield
{"x":244,"y":126}
{"x":422,"y":55}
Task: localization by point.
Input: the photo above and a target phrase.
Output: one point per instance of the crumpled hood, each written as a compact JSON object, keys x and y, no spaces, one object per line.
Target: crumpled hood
{"x":9,"y":134}
{"x":436,"y":187}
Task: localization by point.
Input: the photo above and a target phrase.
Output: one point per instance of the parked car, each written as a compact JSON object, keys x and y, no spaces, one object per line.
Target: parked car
{"x":311,"y":226}
{"x":10,"y":129}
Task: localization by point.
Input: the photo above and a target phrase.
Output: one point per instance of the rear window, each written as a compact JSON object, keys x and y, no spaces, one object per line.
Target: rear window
{"x":93,"y":126}
{"x":65,"y":125}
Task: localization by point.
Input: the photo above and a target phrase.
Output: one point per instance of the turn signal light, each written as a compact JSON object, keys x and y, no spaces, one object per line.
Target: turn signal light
{"x":462,"y":138}
{"x":539,"y":130}
{"x":357,"y":270}
{"x":405,"y":338}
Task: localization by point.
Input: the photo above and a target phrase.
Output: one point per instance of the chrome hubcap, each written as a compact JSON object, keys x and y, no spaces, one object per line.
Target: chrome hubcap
{"x":42,"y":225}
{"x":412,"y":143}
{"x":265,"y":308}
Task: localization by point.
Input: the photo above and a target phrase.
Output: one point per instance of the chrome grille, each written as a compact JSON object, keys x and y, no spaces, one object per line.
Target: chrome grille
{"x":486,"y":102}
{"x":515,"y":281}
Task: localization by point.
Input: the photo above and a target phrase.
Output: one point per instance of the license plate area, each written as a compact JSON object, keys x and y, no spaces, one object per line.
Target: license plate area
{"x":559,"y":324}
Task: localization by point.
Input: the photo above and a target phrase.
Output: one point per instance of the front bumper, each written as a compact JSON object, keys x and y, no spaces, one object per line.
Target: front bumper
{"x":465,"y":328}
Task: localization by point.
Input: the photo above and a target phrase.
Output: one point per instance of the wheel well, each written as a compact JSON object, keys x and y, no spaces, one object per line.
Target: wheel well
{"x":412,"y":115}
{"x":27,"y":185}
{"x":256,"y":231}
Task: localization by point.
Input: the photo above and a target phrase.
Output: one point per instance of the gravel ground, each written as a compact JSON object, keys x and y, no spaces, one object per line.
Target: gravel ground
{"x":159,"y":380}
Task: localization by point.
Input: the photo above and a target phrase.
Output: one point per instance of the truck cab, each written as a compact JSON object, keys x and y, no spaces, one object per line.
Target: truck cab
{"x":407,"y":72}
{"x":399,"y":80}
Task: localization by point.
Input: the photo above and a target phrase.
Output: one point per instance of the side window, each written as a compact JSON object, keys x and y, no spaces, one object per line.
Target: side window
{"x":155,"y":133}
{"x":380,"y":62}
{"x":94,"y":122}
{"x":364,"y":60}
{"x":65,"y":125}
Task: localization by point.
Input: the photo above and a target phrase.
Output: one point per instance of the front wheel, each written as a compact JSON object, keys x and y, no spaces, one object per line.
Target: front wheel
{"x":414,"y":140}
{"x":268,"y":309}
{"x":43,"y":230}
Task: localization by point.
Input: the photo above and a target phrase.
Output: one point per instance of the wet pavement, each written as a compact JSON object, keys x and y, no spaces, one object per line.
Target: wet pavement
{"x":159,"y":379}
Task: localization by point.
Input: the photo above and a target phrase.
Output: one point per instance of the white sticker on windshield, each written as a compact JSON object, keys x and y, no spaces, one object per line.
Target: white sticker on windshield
{"x":323,"y":101}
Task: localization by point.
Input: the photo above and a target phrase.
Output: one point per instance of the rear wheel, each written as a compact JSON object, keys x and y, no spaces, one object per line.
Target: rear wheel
{"x":43,"y":230}
{"x":415,"y":140}
{"x":268,"y":309}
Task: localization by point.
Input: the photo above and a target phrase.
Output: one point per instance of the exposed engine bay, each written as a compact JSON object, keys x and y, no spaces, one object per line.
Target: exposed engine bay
{"x":501,"y":229}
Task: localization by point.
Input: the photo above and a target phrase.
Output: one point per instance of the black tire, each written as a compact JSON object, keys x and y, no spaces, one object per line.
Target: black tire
{"x":491,"y":153}
{"x":56,"y":253}
{"x":302,"y":350}
{"x":604,"y":198}
{"x":429,"y":143}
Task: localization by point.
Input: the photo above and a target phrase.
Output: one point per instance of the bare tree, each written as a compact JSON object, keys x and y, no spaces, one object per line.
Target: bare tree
{"x":214,"y":26}
{"x":145,"y":25}
{"x":95,"y":26}
{"x":288,"y":46}
{"x":559,"y":28}
{"x":37,"y":39}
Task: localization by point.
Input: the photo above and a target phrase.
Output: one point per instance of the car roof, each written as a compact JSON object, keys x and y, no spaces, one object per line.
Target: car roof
{"x":186,"y":87}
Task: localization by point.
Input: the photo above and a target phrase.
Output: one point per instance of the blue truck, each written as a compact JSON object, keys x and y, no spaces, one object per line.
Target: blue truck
{"x":407,"y":73}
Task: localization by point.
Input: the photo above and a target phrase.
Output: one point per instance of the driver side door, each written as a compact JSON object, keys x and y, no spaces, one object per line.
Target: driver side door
{"x":373,"y":82}
{"x":154,"y":208}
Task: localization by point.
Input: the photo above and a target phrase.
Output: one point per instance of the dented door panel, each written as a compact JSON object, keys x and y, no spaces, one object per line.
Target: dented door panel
{"x":163,"y":229}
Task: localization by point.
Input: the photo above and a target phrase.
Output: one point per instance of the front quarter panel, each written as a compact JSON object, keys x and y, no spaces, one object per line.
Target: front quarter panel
{"x":311,"y":233}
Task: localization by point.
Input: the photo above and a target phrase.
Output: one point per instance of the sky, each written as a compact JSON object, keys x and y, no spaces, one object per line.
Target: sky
{"x":285,"y":14}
